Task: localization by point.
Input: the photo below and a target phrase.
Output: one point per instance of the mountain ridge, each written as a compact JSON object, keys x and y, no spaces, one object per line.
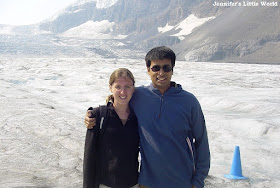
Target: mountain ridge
{"x":233,"y":34}
{"x":235,"y":40}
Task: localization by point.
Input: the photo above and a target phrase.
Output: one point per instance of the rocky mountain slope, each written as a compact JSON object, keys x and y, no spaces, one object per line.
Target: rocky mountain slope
{"x":129,"y":15}
{"x":241,"y":33}
{"x":238,"y":34}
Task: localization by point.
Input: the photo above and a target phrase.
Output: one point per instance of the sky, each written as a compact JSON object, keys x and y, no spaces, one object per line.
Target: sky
{"x":25,"y":12}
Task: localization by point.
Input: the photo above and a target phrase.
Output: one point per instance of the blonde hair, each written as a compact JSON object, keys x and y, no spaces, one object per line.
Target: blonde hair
{"x":119,"y":73}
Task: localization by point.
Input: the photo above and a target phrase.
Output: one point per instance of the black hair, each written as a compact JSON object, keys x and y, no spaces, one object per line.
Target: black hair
{"x":161,"y":52}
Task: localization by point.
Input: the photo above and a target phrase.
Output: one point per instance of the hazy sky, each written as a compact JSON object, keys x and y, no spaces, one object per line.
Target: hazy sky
{"x":24,"y":12}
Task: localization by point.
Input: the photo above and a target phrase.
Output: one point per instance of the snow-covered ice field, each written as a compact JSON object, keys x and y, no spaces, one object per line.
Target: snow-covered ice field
{"x":44,"y":100}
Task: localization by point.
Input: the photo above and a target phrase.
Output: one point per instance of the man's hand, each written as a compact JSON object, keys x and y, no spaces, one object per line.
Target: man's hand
{"x":193,"y":186}
{"x":90,"y":122}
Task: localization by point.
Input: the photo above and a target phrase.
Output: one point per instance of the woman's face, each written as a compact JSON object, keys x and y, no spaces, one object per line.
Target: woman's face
{"x":122,"y":90}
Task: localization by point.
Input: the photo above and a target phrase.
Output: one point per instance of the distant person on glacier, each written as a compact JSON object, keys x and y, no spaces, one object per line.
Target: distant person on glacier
{"x":112,"y":148}
{"x":173,"y":137}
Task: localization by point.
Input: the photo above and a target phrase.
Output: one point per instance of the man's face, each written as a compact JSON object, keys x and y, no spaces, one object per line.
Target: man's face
{"x":161,"y":78}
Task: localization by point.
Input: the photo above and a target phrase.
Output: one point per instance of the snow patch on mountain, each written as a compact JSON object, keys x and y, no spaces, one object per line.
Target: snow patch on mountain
{"x":165,"y":28}
{"x":186,"y":26}
{"x":80,"y":2}
{"x":93,"y":30}
{"x":100,"y":4}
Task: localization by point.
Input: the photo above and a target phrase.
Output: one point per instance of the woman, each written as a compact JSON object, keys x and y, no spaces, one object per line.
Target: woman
{"x":113,"y":160}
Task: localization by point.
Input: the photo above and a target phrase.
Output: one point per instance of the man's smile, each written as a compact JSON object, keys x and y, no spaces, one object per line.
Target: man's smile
{"x":161,"y":79}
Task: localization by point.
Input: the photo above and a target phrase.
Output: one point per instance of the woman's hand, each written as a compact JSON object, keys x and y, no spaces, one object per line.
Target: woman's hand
{"x":89,"y":121}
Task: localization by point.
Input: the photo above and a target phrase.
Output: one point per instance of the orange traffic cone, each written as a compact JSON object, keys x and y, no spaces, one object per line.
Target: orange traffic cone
{"x":236,"y":170}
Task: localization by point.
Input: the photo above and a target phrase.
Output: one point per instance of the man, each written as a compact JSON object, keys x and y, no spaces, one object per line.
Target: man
{"x":173,"y":138}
